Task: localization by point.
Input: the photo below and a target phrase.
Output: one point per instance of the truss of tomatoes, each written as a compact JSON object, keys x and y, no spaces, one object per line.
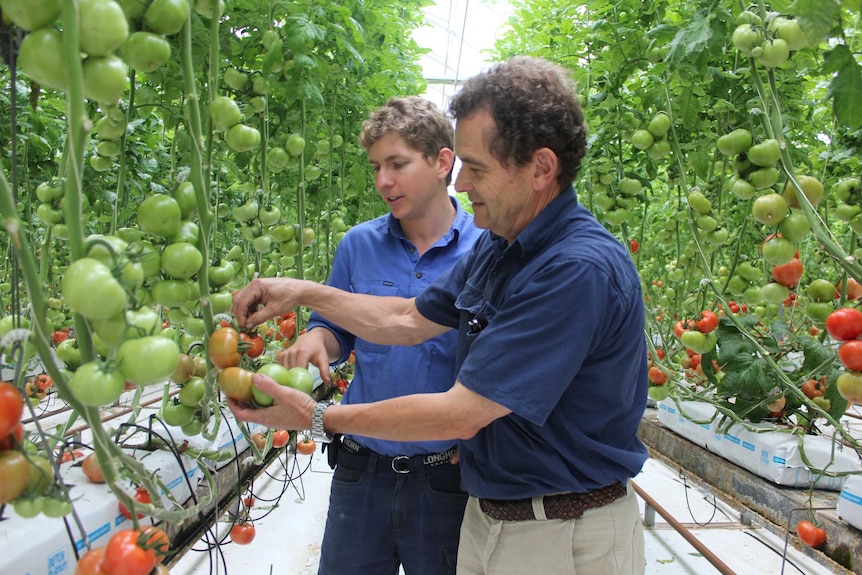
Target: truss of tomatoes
{"x":845,"y":325}
{"x":698,"y":335}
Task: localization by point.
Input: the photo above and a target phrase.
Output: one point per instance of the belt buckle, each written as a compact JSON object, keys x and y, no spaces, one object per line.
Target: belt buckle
{"x":397,"y":469}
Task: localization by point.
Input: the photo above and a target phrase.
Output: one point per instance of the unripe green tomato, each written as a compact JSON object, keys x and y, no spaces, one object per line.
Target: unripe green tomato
{"x":160,"y":215}
{"x":166,"y":17}
{"x":242,"y":138}
{"x":764,"y":154}
{"x":630,"y":186}
{"x":103,"y":27}
{"x":225,"y":113}
{"x":104,"y":79}
{"x":770,"y":209}
{"x":736,"y":142}
{"x":821,"y":290}
{"x":752,"y":295}
{"x":778,"y":250}
{"x":774,"y":292}
{"x":846,"y":212}
{"x":40,"y":57}
{"x":742,"y":189}
{"x":775,"y":53}
{"x":699,"y":202}
{"x":718,"y":237}
{"x":659,"y":149}
{"x":748,"y":17}
{"x":811,"y":188}
{"x":737,"y":286}
{"x":763,"y":178}
{"x":818,"y":311}
{"x":794,"y":227}
{"x":706,"y":223}
{"x":659,"y":125}
{"x":746,"y":38}
{"x":642,"y":139}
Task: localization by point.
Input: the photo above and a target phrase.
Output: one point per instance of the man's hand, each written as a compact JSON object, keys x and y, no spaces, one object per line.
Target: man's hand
{"x":310,"y":347}
{"x":292,"y":409}
{"x":263,"y":299}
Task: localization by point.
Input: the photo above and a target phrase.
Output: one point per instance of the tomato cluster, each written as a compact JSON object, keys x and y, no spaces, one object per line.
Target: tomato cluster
{"x":128,"y":552}
{"x":845,"y":325}
{"x":698,"y":335}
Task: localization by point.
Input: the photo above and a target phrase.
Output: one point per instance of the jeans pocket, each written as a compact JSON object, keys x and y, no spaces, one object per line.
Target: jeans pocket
{"x":446,"y":478}
{"x":345,"y":475}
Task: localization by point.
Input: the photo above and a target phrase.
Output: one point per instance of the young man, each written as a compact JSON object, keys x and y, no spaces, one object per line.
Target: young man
{"x":551,"y":367}
{"x":395,"y":503}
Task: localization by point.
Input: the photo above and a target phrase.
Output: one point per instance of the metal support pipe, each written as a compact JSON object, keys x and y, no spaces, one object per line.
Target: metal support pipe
{"x":651,"y":503}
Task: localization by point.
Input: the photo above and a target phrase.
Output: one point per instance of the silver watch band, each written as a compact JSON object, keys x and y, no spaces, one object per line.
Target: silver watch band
{"x":318,"y":433}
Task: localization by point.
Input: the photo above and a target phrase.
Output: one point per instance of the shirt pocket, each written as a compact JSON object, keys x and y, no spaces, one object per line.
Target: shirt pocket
{"x":475,"y":311}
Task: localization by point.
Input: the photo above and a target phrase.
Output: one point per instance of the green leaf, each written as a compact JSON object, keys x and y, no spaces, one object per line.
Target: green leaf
{"x":844,"y":89}
{"x":816,"y":17}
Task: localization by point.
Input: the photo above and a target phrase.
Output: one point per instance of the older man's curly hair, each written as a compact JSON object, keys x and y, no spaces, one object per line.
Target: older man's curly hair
{"x":533,"y":104}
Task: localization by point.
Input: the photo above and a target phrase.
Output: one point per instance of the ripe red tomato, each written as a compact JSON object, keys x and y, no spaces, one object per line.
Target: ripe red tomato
{"x":254,"y":344}
{"x":844,"y":324}
{"x":810,"y":534}
{"x":14,"y":439}
{"x":242,"y":533}
{"x":90,"y":467}
{"x":657,"y":376}
{"x":141,"y":496}
{"x":708,"y":321}
{"x":814,"y":388}
{"x":124,"y":554}
{"x":788,"y":274}
{"x":306,"y":446}
{"x":60,"y":336}
{"x":634,"y":245}
{"x":90,"y":562}
{"x":850,"y":354}
{"x":11,"y":408}
{"x":280,"y":438}
{"x":223,"y":347}
{"x":287,"y":327}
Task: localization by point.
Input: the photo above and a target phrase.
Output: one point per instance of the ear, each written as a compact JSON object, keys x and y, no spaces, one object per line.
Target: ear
{"x":545,"y":168}
{"x":445,"y":159}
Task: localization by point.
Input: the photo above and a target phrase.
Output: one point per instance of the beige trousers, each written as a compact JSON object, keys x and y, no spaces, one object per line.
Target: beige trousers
{"x":608,"y":540}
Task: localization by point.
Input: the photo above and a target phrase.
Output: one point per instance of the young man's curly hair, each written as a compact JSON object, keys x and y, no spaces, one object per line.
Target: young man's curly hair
{"x":418,"y":121}
{"x":534,"y":105}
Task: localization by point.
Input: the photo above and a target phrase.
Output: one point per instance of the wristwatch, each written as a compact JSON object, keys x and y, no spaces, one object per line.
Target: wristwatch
{"x":317,"y":432}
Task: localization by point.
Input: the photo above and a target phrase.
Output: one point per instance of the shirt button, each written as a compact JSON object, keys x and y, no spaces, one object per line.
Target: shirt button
{"x":412,"y":250}
{"x":419,"y":275}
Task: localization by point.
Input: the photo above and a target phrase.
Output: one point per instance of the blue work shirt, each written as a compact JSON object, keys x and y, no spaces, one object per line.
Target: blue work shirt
{"x":375,"y":257}
{"x":562,"y":347}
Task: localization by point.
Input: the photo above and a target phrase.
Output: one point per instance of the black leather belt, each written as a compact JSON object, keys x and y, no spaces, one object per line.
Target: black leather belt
{"x":563,"y":506}
{"x":354,"y":456}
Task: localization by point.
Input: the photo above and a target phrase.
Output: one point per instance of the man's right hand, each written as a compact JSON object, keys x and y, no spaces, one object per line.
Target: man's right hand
{"x":263,"y":299}
{"x":309,"y":347}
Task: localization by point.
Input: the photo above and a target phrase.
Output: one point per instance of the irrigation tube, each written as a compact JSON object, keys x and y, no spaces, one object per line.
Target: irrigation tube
{"x":684,"y":531}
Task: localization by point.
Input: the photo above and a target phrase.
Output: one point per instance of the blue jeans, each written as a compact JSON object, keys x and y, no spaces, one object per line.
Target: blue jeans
{"x":379,"y":520}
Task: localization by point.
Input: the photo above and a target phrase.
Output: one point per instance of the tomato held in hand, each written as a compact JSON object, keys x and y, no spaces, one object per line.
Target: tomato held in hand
{"x":236,"y":384}
{"x":810,"y":534}
{"x":254,"y":345}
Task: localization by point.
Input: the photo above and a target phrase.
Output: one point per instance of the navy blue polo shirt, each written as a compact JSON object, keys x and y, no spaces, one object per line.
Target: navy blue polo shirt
{"x":558,"y":338}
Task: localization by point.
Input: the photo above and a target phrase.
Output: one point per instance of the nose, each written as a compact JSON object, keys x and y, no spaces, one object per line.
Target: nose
{"x":382,"y":179}
{"x":461,"y":184}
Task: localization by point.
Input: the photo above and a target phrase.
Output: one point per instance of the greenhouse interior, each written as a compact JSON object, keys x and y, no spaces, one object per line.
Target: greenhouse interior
{"x":182,"y":178}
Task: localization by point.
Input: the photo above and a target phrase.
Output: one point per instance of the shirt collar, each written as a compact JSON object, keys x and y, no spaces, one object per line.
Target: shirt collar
{"x":461,"y":219}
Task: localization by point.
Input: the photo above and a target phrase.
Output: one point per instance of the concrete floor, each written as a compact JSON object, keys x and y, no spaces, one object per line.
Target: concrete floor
{"x":288,"y":537}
